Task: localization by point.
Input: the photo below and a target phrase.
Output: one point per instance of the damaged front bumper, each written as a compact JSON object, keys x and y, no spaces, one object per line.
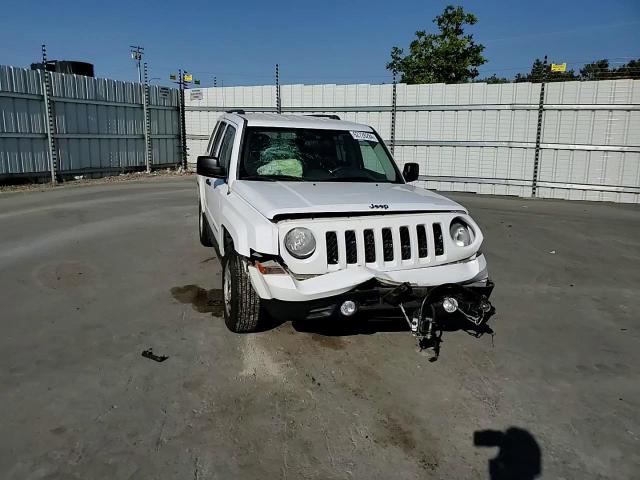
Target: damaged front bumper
{"x":321,"y":296}
{"x":285,"y":287}
{"x":373,"y":295}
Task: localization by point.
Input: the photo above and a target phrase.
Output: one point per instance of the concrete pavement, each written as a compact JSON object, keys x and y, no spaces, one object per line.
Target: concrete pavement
{"x":91,"y":276}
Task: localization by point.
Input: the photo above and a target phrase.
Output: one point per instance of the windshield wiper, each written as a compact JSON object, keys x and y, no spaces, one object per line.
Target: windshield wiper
{"x":258,"y":177}
{"x":274,"y":178}
{"x":354,"y":179}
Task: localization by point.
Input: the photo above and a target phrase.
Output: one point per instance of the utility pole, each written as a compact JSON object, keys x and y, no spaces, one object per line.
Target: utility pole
{"x":136,"y":53}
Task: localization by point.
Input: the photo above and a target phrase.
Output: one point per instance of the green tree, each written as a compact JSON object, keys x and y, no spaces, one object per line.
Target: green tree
{"x":595,"y":70}
{"x":601,"y":70}
{"x":629,"y":70}
{"x":448,"y":56}
{"x":493,"y":79}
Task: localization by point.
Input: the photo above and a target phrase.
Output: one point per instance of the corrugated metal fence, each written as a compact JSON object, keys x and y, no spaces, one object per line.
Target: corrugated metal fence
{"x":98,"y":125}
{"x":474,"y":137}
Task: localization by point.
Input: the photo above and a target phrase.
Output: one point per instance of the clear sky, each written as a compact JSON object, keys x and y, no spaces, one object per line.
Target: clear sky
{"x":324,"y":41}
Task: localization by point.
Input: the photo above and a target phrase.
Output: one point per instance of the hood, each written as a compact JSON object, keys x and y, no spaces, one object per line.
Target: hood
{"x":272,"y":199}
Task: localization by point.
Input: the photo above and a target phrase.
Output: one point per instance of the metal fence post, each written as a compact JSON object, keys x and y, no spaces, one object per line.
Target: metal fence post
{"x":536,"y":158}
{"x":183,"y":128}
{"x":147,"y":119}
{"x":278,"y":99}
{"x":50,"y":120}
{"x":393,"y":114}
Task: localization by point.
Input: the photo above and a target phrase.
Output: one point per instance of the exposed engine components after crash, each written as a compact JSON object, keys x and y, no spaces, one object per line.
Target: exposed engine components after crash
{"x":428,"y":319}
{"x":312,"y":218}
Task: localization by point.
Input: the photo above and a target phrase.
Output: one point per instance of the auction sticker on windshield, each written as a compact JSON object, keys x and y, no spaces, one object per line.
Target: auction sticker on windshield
{"x":366,"y":136}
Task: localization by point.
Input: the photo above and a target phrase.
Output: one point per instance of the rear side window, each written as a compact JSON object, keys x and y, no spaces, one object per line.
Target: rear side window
{"x":226,"y":147}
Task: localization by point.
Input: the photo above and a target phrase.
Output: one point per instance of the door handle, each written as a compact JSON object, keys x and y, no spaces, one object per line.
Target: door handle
{"x":208,"y":181}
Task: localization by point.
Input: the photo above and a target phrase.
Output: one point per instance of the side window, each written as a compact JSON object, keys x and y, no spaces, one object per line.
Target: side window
{"x":214,"y":145}
{"x":226,"y":147}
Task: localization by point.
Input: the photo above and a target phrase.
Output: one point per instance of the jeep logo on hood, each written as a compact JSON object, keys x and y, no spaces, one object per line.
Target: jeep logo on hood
{"x":382,"y":206}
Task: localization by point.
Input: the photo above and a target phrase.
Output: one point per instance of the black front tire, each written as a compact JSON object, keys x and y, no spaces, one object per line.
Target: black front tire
{"x":203,"y":228}
{"x":242,"y":303}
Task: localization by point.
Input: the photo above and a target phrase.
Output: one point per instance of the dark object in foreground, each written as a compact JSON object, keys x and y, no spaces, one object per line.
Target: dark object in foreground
{"x":149,"y":354}
{"x":519,"y":457}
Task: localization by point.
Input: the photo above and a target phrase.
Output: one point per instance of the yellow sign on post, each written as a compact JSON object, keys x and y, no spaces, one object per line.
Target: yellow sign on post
{"x":558,"y":67}
{"x":188,"y":77}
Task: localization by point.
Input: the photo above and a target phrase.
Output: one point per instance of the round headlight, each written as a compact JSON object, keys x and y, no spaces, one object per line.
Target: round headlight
{"x":460,"y":233}
{"x":300,"y":242}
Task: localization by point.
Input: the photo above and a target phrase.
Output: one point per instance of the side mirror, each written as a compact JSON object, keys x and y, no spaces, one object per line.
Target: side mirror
{"x":411,"y":172}
{"x":208,"y":167}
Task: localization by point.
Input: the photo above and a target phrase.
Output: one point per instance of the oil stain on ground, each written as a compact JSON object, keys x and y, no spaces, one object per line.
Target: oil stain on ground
{"x":399,"y":433}
{"x":202,"y":300}
{"x":333,"y":343}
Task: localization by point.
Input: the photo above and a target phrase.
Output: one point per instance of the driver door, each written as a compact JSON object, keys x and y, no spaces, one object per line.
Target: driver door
{"x":217,"y":188}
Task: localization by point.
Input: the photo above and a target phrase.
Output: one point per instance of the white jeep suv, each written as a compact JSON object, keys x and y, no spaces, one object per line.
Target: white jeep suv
{"x":311,"y":217}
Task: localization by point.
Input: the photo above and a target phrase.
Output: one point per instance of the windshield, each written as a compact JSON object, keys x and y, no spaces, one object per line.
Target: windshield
{"x":297,"y":154}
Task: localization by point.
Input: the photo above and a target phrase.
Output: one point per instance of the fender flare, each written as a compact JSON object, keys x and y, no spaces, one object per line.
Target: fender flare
{"x":249,"y":230}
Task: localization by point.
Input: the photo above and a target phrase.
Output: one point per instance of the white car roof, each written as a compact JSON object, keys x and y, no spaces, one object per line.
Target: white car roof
{"x":298,"y":121}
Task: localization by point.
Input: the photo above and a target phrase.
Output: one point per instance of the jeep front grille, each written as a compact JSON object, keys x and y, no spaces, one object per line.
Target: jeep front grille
{"x":423,"y":249}
{"x":396,"y":245}
{"x":332,"y":248}
{"x":437,"y":237}
{"x":351,"y":246}
{"x":405,"y":243}
{"x":387,"y":245}
{"x":369,"y":246}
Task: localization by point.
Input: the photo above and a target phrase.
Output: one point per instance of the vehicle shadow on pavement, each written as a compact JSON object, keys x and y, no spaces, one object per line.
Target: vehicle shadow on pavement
{"x":519,"y":454}
{"x":383,"y":321}
{"x":361,"y":325}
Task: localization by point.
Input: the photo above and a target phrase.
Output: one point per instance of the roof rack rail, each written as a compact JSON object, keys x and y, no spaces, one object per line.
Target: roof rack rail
{"x":324,"y":115}
{"x":239,"y":111}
